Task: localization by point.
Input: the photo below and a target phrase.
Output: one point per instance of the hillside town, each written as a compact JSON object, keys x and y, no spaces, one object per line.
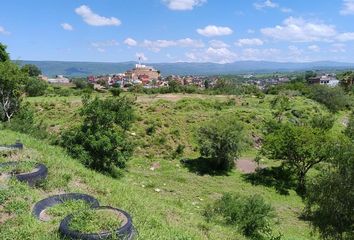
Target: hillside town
{"x":149,"y":77}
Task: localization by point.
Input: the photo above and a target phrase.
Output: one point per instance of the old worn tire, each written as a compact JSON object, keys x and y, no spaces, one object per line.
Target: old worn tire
{"x":30,"y":178}
{"x":42,"y":205}
{"x":126,"y":232}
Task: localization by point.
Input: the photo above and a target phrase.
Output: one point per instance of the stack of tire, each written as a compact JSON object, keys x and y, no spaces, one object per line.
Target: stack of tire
{"x":126,"y":232}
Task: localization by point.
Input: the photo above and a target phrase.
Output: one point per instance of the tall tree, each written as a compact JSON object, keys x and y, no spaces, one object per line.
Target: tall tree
{"x":11,"y":89}
{"x":300,"y":147}
{"x":32,"y":70}
{"x":330,"y":195}
{"x":4,"y":56}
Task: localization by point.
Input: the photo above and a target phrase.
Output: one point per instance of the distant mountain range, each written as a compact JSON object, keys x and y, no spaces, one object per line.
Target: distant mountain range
{"x":70,"y":69}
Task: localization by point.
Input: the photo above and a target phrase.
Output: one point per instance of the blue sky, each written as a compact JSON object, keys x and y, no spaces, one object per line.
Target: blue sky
{"x":219,"y":31}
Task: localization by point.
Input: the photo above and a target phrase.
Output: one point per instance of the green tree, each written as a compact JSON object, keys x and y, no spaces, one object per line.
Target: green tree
{"x":280,"y":104}
{"x":4,"y":56}
{"x":300,"y":147}
{"x":250,"y":214}
{"x":80,"y":83}
{"x":346,"y":79}
{"x":222,"y":140}
{"x":32,"y":70}
{"x":35,"y":87}
{"x":330,"y":195}
{"x":349,"y":131}
{"x":101,"y":141}
{"x":11,"y":89}
{"x":334,"y":99}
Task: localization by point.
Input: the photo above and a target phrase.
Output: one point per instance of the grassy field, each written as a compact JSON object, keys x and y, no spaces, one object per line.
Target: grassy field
{"x":165,"y":203}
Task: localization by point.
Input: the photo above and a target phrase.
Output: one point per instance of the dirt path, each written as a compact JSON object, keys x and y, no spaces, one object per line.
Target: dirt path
{"x":246,"y":165}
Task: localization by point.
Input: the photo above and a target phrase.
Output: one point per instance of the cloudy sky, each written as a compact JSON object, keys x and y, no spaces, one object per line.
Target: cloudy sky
{"x":218,"y":31}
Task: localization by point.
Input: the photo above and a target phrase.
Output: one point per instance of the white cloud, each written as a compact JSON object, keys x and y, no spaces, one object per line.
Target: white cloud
{"x":249,"y":42}
{"x":260,"y":54}
{"x":286,"y":10}
{"x":67,"y":26}
{"x":188,"y":42}
{"x":250,"y":31}
{"x":265,"y":4}
{"x":338,"y":48}
{"x":216,"y":55}
{"x":141,"y":56}
{"x":348,"y":7}
{"x":94,"y":19}
{"x":300,"y":30}
{"x":101,"y":50}
{"x":3,"y":31}
{"x":314,"y":48}
{"x":344,"y":37}
{"x":157,"y":45}
{"x":109,"y":43}
{"x":270,"y":4}
{"x":130,"y":42}
{"x":182,"y":5}
{"x":101,"y":46}
{"x":212,"y":31}
{"x":218,"y":44}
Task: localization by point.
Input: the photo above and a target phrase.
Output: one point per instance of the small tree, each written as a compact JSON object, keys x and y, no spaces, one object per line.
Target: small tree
{"x":4,"y":56}
{"x":280,"y":105}
{"x":301,"y":147}
{"x":11,"y":81}
{"x":101,"y":141}
{"x":250,"y":214}
{"x":330,"y":195}
{"x":35,"y":87}
{"x":334,"y":99}
{"x":222,"y":140}
{"x":32,"y":70}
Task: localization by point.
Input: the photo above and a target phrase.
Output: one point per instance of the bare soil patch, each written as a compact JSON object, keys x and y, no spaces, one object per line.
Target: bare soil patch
{"x":247,"y":165}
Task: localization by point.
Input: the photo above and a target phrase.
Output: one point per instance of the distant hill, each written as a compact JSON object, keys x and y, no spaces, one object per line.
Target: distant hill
{"x":71,"y":69}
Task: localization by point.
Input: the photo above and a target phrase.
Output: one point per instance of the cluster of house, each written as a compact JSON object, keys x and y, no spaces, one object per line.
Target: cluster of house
{"x":266,"y":82}
{"x":325,"y":79}
{"x":321,"y":79}
{"x":59,"y":79}
{"x":148,"y":77}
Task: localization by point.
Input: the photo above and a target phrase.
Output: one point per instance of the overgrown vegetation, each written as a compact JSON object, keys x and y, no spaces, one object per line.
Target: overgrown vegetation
{"x":251,"y":214}
{"x":222,"y":140}
{"x":101,"y":142}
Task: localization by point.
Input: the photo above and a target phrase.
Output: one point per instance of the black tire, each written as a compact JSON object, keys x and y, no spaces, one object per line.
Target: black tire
{"x":31,"y":178}
{"x":126,"y":232}
{"x":42,"y":205}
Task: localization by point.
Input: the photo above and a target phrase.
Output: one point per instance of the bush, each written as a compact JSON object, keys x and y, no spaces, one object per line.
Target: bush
{"x":35,"y":87}
{"x":222,"y":140}
{"x":115,"y":91}
{"x":330,"y":196}
{"x":101,"y":141}
{"x":24,"y":121}
{"x":251,"y":215}
{"x":334,"y":99}
{"x":80,"y":83}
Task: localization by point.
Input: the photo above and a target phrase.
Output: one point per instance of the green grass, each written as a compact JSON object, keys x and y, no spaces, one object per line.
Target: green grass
{"x":20,"y":167}
{"x":166,"y":203}
{"x":58,"y":212}
{"x":95,"y":221}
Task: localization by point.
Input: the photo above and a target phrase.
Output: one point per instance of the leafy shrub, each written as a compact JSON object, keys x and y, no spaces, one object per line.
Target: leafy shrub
{"x":251,"y":215}
{"x":80,"y":83}
{"x":115,"y":91}
{"x":334,"y":99}
{"x":101,"y":141}
{"x":330,"y":195}
{"x":35,"y":87}
{"x":24,"y":121}
{"x":222,"y":140}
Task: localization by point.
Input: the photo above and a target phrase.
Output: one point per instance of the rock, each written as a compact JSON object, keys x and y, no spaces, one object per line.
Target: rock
{"x":155,"y":166}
